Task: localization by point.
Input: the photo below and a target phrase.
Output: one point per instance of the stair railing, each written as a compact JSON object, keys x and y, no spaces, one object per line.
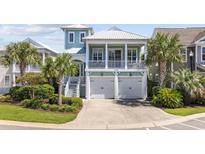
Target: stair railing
{"x":67,"y":87}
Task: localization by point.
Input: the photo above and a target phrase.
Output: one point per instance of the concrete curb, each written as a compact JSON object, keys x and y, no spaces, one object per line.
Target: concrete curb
{"x":72,"y":125}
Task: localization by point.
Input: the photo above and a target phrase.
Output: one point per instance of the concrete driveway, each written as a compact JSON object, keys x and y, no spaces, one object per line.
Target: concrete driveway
{"x":111,"y":114}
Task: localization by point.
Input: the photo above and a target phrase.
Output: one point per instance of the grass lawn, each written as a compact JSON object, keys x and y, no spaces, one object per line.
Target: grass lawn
{"x":17,"y":113}
{"x":185,"y":111}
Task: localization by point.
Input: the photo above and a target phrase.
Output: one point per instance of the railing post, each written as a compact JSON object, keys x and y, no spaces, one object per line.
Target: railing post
{"x":87,"y":55}
{"x":106,"y":56}
{"x":125,"y":56}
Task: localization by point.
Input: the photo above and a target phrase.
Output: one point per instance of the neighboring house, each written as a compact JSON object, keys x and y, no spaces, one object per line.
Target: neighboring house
{"x":193,"y":41}
{"x":9,"y":74}
{"x":110,"y":61}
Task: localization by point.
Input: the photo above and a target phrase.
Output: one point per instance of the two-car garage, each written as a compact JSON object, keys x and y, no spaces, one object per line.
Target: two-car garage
{"x":128,"y":87}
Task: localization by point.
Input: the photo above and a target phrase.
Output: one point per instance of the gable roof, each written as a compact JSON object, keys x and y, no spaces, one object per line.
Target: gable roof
{"x":39,"y":45}
{"x":113,"y":34}
{"x":187,"y":36}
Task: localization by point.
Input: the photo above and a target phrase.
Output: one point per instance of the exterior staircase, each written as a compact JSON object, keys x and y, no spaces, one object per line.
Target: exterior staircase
{"x":72,"y":88}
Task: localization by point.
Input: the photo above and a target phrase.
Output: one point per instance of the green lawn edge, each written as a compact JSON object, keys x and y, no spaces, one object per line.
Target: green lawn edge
{"x":185,"y":111}
{"x":18,"y":113}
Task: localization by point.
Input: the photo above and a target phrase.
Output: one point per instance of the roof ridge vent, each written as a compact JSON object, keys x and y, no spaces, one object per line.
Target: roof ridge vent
{"x":114,"y":28}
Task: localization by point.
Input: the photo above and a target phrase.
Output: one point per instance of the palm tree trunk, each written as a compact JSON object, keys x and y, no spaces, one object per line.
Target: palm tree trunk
{"x":22,"y":69}
{"x":60,"y":87}
{"x":162,"y":72}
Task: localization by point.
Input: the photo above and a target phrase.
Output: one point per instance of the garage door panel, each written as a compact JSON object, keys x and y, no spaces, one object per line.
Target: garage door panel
{"x":130,"y":87}
{"x":102,"y":87}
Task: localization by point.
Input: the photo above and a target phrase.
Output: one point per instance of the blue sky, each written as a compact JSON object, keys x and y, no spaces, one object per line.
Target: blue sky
{"x":53,"y":36}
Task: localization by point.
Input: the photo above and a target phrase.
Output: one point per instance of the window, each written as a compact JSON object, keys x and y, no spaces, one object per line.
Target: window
{"x":81,"y":36}
{"x":71,"y":37}
{"x":184,"y":54}
{"x":203,"y":54}
{"x":97,"y":54}
{"x":7,"y":80}
{"x":132,"y":55}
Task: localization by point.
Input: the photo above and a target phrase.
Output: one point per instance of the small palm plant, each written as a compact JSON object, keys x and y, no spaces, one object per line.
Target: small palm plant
{"x":192,"y":84}
{"x":58,"y":68}
{"x":23,"y":54}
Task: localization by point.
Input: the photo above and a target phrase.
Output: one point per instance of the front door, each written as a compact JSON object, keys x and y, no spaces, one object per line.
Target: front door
{"x":115,"y":57}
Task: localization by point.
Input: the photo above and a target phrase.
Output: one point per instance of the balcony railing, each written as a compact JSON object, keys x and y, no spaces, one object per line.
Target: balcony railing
{"x":28,"y":69}
{"x":117,"y":64}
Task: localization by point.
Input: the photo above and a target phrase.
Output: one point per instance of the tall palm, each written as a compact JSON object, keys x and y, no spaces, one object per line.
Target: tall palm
{"x":48,"y":69}
{"x":58,"y":68}
{"x":164,"y":50}
{"x":23,"y":54}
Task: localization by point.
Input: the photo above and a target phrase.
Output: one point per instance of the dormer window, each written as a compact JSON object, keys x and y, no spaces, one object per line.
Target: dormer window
{"x":71,"y":37}
{"x":81,"y":36}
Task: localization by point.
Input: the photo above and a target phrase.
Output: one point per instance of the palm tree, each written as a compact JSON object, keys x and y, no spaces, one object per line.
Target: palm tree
{"x":164,"y":50}
{"x":23,"y":54}
{"x":191,"y":84}
{"x":58,"y":68}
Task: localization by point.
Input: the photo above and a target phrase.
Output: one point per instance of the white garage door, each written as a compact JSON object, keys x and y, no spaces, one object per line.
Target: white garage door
{"x":101,"y":87}
{"x":130,"y":87}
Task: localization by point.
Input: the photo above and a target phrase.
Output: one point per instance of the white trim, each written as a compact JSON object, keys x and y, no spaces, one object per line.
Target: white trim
{"x":97,"y":50}
{"x":198,"y":41}
{"x":80,"y":37}
{"x":7,"y":75}
{"x":202,"y":54}
{"x":122,"y":42}
{"x":69,"y":37}
{"x":196,"y":56}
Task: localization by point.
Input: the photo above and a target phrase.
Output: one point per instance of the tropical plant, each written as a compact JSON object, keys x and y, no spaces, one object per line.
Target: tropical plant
{"x":168,"y":98}
{"x":21,"y":53}
{"x":58,"y":68}
{"x":32,"y":78}
{"x":164,"y":50}
{"x":190,"y":83}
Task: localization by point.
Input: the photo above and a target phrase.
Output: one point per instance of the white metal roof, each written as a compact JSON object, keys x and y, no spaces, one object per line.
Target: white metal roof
{"x":115,"y":33}
{"x":76,"y":26}
{"x":39,"y":45}
{"x":75,"y":50}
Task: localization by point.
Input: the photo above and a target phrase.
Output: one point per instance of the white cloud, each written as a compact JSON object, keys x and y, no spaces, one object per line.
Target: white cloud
{"x":27,"y":29}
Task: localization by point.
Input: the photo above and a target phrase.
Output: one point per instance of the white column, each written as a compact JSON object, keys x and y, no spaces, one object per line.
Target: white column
{"x":87,"y":55}
{"x":195,"y":57}
{"x":43,"y":57}
{"x":125,"y":56}
{"x":87,"y":86}
{"x":116,"y":86}
{"x":141,"y":50}
{"x":28,"y":68}
{"x":13,"y":80}
{"x":145,"y":51}
{"x":172,"y":70}
{"x":106,"y":56}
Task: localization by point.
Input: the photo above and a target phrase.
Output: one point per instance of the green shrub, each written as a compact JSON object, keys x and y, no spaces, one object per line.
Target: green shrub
{"x":26,"y":92}
{"x":150,"y":85}
{"x":155,"y":90}
{"x":45,"y":106}
{"x":20,"y":93}
{"x":44,"y":91}
{"x":168,"y":98}
{"x":34,"y":103}
{"x":69,"y":108}
{"x":53,"y":99}
{"x":6,"y":98}
{"x":53,"y":107}
{"x":62,"y":108}
{"x":73,"y":101}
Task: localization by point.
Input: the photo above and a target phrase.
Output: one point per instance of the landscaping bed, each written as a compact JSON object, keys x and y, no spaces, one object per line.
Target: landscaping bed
{"x":18,"y":113}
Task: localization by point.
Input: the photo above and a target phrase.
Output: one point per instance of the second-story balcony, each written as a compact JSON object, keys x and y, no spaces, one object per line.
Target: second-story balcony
{"x":94,"y":64}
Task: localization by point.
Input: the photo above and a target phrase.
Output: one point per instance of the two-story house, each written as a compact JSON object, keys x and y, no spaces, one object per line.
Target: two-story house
{"x":10,"y":73}
{"x":193,"y":41}
{"x":111,"y":63}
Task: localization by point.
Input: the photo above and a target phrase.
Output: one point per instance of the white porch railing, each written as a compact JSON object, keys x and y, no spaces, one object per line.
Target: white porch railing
{"x":117,"y":64}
